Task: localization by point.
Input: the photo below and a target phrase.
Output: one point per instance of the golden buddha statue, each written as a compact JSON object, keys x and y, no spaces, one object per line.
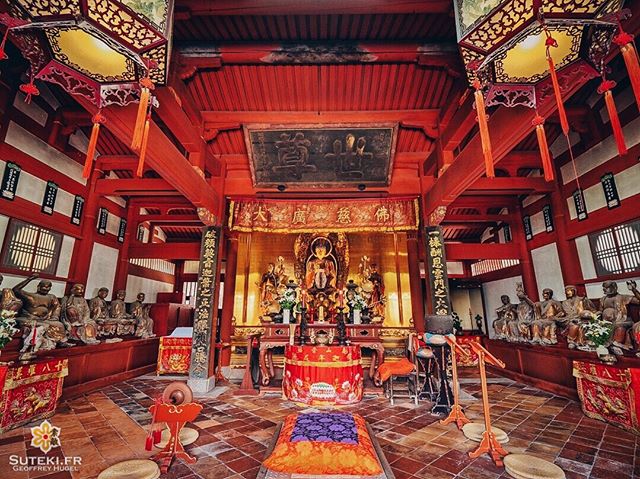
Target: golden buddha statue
{"x":118,"y":312}
{"x":613,"y":306}
{"x":505,"y":314}
{"x":543,"y":328}
{"x":99,"y":311}
{"x":77,"y":316}
{"x":39,"y":317}
{"x":140,"y":312}
{"x":577,"y":312}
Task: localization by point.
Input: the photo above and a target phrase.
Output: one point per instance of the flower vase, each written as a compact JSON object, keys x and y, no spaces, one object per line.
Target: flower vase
{"x":286,"y":316}
{"x":602,"y":351}
{"x":356,"y":316}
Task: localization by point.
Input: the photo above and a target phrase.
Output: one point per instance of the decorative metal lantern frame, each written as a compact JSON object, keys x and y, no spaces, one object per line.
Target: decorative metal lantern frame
{"x":98,"y":49}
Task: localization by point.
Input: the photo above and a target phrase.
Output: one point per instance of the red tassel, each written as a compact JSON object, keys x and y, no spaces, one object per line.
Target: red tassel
{"x":547,"y":166}
{"x":605,"y":89}
{"x":148,"y":444}
{"x":484,"y":130}
{"x":138,"y":130}
{"x":30,"y":90}
{"x":157,"y":435}
{"x":97,"y":120}
{"x":143,"y":147}
{"x":630,"y":56}
{"x":564,"y":123}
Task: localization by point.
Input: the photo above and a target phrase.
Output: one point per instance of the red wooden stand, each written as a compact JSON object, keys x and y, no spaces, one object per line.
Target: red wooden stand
{"x":175,"y":417}
{"x":457,"y":414}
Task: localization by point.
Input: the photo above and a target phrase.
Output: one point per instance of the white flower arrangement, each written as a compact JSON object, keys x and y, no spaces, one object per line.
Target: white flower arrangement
{"x":7,"y":327}
{"x":357,"y":303}
{"x":598,"y":331}
{"x":288,"y":299}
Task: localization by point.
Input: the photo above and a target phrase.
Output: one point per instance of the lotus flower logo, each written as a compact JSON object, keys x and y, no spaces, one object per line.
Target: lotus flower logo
{"x":45,"y":436}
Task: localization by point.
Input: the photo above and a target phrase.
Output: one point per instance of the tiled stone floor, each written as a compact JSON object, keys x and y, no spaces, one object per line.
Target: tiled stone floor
{"x":107,"y":427}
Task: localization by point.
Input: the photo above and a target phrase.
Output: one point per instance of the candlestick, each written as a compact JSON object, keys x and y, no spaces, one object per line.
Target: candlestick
{"x":341,"y":298}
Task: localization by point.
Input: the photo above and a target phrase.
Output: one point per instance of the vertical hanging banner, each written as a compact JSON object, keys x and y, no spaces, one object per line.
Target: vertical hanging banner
{"x":528,"y":232}
{"x":581,"y":206}
{"x":49,"y":199}
{"x":507,"y":233}
{"x":437,"y":271}
{"x":202,"y":348}
{"x":122,"y":229}
{"x":140,"y":233}
{"x":610,"y":190}
{"x":76,"y":212}
{"x":10,"y":180}
{"x":103,"y":216}
{"x":548,"y":218}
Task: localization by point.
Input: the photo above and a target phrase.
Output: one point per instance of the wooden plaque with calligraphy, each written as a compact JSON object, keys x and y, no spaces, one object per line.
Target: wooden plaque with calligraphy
{"x":320,"y":156}
{"x":437,"y":271}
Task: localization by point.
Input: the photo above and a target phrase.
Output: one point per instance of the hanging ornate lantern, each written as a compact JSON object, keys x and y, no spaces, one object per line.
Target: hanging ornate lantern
{"x":98,"y":49}
{"x":522,"y":50}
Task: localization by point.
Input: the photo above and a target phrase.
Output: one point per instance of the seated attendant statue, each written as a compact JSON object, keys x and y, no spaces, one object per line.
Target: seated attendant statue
{"x":140,"y":312}
{"x":99,"y":311}
{"x":118,"y":312}
{"x":9,"y":301}
{"x":77,"y":316}
{"x":543,"y":329}
{"x":505,"y":314}
{"x":520,"y":330}
{"x":39,"y":318}
{"x":614,"y":305}
{"x":578,"y":311}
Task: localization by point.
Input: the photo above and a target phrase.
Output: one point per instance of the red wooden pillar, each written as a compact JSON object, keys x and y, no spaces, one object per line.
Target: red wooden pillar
{"x":415,"y":281}
{"x":567,"y":250}
{"x":83,"y":247}
{"x":122,"y":270}
{"x":528,"y":273}
{"x":178,"y":286}
{"x":226,"y":326}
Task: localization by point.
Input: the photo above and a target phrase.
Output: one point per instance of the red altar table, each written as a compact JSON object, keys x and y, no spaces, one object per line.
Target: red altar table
{"x":323,"y":375}
{"x":609,"y":393}
{"x":464,"y":343}
{"x":30,"y":392}
{"x":174,"y":355}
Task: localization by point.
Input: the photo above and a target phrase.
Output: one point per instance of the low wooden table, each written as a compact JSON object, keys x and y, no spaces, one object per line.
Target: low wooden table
{"x":277,"y":335}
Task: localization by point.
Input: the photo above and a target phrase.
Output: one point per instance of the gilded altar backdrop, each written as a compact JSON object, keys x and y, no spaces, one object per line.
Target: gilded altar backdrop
{"x":388,"y":250}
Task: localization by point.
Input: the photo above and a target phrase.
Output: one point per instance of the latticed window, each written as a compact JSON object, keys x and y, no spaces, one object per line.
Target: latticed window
{"x":616,"y":250}
{"x":30,"y":248}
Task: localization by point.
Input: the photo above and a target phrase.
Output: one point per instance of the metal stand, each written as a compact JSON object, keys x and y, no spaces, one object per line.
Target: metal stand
{"x":341,"y":327}
{"x":456,"y":415}
{"x":489,"y":443}
{"x":443,"y":401}
{"x":303,"y":326}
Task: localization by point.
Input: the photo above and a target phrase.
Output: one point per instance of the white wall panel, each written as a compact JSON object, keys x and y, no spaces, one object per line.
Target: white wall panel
{"x":66,"y":252}
{"x":546,"y":265}
{"x":150,"y":287}
{"x":31,"y":109}
{"x":586,"y":258}
{"x":102,"y":270}
{"x":492,"y":291}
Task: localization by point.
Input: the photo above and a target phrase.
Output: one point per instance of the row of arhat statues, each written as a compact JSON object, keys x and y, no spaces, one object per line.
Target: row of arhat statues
{"x":538,"y":322}
{"x":48,"y":322}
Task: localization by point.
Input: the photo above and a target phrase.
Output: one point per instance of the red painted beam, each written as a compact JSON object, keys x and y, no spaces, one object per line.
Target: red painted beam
{"x":117,"y":162}
{"x":510,"y":186}
{"x":467,"y":251}
{"x":189,"y":8}
{"x":134,"y":187}
{"x":168,"y":251}
{"x":474,"y":219}
{"x":171,"y":219}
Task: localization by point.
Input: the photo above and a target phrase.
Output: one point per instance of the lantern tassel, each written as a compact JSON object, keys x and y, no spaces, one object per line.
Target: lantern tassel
{"x":138,"y":129}
{"x":143,"y":147}
{"x":547,"y":166}
{"x":564,"y":123}
{"x":97,"y":120}
{"x":605,"y":89}
{"x":484,"y":131}
{"x":30,"y":90}
{"x":630,"y":56}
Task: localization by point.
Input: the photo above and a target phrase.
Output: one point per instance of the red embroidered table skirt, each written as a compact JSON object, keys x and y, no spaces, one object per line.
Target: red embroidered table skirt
{"x":609,"y":393}
{"x":463,"y":342}
{"x":30,"y":392}
{"x":323,"y":375}
{"x":174,"y":355}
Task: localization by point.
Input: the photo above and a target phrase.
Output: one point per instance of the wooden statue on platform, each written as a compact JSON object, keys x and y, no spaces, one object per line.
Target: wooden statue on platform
{"x":39,"y":317}
{"x":269,"y":291}
{"x":320,"y":275}
{"x":505,"y":314}
{"x":614,"y":308}
{"x":377,"y":299}
{"x":578,"y":311}
{"x":520,"y":330}
{"x":118,"y":312}
{"x":77,"y":316}
{"x":140,"y":312}
{"x":99,"y":311}
{"x":543,"y":329}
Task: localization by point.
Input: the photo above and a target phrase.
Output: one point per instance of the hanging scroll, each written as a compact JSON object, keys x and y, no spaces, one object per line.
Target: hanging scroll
{"x":581,"y":206}
{"x":76,"y":212}
{"x":303,"y":216}
{"x":528,"y":231}
{"x":103,"y":216}
{"x":122,"y":229}
{"x":548,"y":218}
{"x":437,"y":271}
{"x":203,"y":320}
{"x":10,"y":180}
{"x":49,"y":198}
{"x":611,"y":195}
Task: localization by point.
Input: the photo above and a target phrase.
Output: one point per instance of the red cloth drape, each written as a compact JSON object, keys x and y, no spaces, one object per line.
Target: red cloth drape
{"x":321,"y":375}
{"x":174,"y":355}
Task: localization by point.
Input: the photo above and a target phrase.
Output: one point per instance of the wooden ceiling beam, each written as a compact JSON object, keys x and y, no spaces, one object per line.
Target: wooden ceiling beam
{"x":465,"y":219}
{"x":117,"y":162}
{"x":162,"y":156}
{"x":168,"y":251}
{"x":411,"y":117}
{"x":509,"y":186}
{"x":170,"y":219}
{"x":134,"y":187}
{"x":189,"y":8}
